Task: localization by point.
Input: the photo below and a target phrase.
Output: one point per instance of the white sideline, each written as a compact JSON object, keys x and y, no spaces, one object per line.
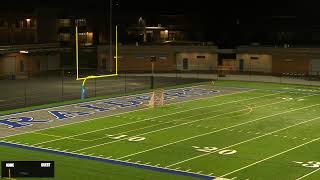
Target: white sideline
{"x":134,"y":122}
{"x":312,"y":172}
{"x":117,"y":114}
{"x":110,"y":158}
{"x":150,"y":132}
{"x":248,"y":140}
{"x":270,"y":157}
{"x":233,"y":126}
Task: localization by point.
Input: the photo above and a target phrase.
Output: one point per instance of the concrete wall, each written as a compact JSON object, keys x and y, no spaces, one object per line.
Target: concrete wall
{"x":290,"y":63}
{"x":11,"y":64}
{"x":197,"y":61}
{"x":137,"y":58}
{"x":255,"y":62}
{"x":169,"y":58}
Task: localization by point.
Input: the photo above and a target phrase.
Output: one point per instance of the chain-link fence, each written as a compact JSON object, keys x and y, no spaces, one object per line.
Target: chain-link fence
{"x":59,"y":86}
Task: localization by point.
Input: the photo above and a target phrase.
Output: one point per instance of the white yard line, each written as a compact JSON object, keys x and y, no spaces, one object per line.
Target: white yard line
{"x":270,"y":157}
{"x":117,"y":114}
{"x":312,"y":172}
{"x":170,"y":127}
{"x":226,"y":128}
{"x":242,"y":142}
{"x":134,"y":122}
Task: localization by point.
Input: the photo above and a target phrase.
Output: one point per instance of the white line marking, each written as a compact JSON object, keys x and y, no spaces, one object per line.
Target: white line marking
{"x":248,"y":140}
{"x":308,"y":174}
{"x":270,"y":157}
{"x":226,"y":128}
{"x":134,"y":122}
{"x":103,"y":158}
{"x":170,"y":127}
{"x":111,"y":115}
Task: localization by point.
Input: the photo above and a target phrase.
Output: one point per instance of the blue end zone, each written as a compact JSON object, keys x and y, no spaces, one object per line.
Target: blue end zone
{"x":115,"y":162}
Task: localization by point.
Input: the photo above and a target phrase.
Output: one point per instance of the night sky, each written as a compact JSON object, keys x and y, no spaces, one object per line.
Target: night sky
{"x":201,"y":8}
{"x":217,"y":19}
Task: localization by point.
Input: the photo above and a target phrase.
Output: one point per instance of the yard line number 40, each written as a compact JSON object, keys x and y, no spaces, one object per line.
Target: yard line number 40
{"x":131,"y":139}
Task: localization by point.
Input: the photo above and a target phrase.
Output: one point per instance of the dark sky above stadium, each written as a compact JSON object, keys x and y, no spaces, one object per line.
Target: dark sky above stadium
{"x":205,"y":9}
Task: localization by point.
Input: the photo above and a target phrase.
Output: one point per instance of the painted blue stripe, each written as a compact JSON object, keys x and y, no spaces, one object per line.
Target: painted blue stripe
{"x":109,"y":161}
{"x":88,"y":101}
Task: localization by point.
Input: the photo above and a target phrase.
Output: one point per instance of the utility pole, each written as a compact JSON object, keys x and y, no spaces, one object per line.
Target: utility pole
{"x":110,"y":43}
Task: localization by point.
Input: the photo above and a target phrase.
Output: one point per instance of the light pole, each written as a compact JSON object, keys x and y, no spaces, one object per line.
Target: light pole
{"x":110,"y":43}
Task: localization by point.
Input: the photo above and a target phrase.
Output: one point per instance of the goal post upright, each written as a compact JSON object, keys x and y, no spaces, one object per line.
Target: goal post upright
{"x":84,"y":79}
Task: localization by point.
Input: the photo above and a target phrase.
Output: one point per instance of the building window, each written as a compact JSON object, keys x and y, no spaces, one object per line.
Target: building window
{"x":164,"y":35}
{"x":81,"y":22}
{"x":201,"y":57}
{"x":254,"y":58}
{"x":86,"y":39}
{"x":163,"y":58}
{"x":64,"y":37}
{"x":64,"y":22}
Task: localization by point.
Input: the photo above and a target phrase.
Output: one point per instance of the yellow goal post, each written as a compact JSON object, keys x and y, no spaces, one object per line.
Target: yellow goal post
{"x":84,"y":79}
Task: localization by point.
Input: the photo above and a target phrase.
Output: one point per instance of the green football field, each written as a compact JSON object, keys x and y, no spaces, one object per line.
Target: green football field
{"x":266,"y":132}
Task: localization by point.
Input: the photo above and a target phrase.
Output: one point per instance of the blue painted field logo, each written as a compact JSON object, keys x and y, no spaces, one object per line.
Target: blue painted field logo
{"x":83,"y":109}
{"x":20,"y":122}
{"x":68,"y":114}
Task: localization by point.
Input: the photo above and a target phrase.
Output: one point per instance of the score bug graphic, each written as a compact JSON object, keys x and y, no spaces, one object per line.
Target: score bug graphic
{"x":27,"y":169}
